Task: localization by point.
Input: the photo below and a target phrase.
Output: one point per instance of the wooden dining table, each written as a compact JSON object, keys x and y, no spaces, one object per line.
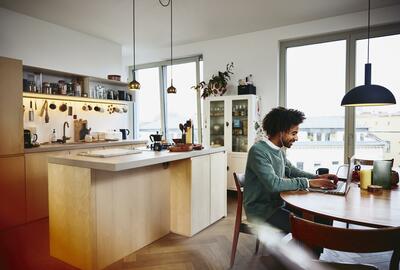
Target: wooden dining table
{"x":359,"y":206}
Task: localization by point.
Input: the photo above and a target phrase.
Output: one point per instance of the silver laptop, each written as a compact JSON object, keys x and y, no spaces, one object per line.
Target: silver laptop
{"x":342,"y":186}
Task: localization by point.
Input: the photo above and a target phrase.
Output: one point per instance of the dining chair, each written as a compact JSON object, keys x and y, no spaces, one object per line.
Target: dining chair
{"x":348,"y":240}
{"x":241,"y":226}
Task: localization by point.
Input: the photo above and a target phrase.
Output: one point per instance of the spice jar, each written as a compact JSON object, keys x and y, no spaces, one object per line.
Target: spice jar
{"x":77,"y":88}
{"x":46,"y":88}
{"x":62,"y":87}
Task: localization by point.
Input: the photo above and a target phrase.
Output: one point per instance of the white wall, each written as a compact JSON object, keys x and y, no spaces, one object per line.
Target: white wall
{"x":47,"y":45}
{"x":257,"y":53}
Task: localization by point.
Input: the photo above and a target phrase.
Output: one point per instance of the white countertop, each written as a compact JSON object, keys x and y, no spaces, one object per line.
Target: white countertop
{"x":120,"y":163}
{"x":82,"y":145}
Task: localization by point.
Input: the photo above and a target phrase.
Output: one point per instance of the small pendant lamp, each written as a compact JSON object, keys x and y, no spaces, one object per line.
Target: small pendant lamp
{"x":171,"y":89}
{"x":368,"y":94}
{"x":134,"y":84}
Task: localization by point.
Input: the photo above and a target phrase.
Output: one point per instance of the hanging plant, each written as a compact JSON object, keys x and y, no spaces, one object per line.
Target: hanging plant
{"x":216,"y":86}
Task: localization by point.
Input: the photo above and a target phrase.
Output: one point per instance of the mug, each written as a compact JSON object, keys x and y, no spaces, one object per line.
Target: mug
{"x":321,"y":171}
{"x":125,"y":132}
{"x":29,"y":138}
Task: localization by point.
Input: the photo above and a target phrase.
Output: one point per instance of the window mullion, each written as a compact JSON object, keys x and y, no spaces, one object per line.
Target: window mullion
{"x":163,"y":103}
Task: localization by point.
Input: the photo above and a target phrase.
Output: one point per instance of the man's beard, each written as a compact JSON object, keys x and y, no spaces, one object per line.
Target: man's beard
{"x":288,"y":144}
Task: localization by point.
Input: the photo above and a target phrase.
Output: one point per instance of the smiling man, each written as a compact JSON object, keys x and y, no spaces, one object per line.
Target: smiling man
{"x":268,"y":172}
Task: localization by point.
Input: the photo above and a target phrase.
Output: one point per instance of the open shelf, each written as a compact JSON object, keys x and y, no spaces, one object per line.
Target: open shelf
{"x":73,"y":98}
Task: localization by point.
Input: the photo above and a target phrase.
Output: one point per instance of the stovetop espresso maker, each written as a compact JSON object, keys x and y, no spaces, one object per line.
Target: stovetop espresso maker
{"x":156,"y":142}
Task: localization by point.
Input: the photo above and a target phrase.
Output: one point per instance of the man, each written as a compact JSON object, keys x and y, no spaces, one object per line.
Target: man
{"x":268,"y":172}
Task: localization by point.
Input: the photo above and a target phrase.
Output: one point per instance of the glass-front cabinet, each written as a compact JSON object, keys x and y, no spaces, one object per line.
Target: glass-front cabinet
{"x":230,"y":121}
{"x":217,"y":123}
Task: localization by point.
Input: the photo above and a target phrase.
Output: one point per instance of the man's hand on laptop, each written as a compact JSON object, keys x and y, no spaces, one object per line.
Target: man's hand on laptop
{"x":329,"y":176}
{"x":322,"y":183}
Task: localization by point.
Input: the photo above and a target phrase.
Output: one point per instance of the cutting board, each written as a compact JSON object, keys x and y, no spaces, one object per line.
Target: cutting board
{"x":110,"y":152}
{"x":78,"y":124}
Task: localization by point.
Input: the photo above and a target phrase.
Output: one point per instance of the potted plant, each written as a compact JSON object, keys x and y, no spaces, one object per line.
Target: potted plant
{"x":216,"y":86}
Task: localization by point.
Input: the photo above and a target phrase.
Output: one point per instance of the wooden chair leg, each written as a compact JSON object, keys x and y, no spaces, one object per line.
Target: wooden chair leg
{"x":257,"y":245}
{"x":234,"y":245}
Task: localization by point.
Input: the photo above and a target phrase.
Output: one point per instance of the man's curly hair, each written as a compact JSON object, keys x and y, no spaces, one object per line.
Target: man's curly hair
{"x":280,"y":119}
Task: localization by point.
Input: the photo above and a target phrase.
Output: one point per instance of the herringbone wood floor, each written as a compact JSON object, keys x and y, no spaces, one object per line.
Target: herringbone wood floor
{"x":27,"y":248}
{"x":210,"y":249}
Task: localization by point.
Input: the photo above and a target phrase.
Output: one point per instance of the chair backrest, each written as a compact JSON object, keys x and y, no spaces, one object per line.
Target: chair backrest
{"x":239,"y":179}
{"x":239,"y":182}
{"x":349,"y":240}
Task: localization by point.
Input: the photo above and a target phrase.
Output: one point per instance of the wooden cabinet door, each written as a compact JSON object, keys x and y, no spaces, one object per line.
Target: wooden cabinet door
{"x":217,"y":186}
{"x":12,"y":190}
{"x":37,"y":194}
{"x":11,"y":110}
{"x":200,"y":191}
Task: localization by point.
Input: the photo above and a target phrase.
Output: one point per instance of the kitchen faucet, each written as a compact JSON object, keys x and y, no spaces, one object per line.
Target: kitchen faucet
{"x":64,"y":138}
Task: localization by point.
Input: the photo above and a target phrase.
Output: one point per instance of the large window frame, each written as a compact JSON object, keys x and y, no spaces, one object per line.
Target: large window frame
{"x":351,"y":37}
{"x":162,"y":67}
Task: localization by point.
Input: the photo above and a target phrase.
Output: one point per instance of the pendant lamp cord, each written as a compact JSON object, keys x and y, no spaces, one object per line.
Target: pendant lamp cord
{"x":171,"y":42}
{"x":134,"y":47}
{"x":369,"y":26}
{"x":166,"y":5}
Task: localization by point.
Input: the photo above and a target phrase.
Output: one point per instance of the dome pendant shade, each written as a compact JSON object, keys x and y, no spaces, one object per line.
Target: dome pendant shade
{"x":134,"y":85}
{"x":368,"y":94}
{"x":171,"y":89}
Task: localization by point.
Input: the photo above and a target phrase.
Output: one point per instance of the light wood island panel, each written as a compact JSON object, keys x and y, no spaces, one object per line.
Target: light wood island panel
{"x":99,"y":216}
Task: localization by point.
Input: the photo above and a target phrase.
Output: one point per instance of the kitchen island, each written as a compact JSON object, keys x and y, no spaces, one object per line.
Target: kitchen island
{"x":102,"y":209}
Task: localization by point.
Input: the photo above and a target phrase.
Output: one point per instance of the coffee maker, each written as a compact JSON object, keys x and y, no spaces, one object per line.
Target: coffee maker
{"x":156,"y":142}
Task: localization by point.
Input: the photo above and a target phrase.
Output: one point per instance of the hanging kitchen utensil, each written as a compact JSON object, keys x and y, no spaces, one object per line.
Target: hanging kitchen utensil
{"x":46,"y":116}
{"x":43,"y":108}
{"x":63,"y":107}
{"x":70,"y":112}
{"x":31,"y":113}
{"x":53,"y":106}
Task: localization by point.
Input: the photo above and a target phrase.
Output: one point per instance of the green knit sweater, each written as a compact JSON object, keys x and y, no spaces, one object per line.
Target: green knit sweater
{"x":268,"y":172}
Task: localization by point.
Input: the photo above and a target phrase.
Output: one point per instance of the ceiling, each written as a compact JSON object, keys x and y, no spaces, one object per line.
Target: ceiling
{"x":194,"y":20}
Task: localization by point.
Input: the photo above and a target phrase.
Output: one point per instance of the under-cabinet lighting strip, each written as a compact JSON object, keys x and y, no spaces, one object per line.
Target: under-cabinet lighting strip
{"x":73,"y":98}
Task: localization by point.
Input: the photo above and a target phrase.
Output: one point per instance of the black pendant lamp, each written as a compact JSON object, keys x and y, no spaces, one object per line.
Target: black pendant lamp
{"x":134,"y":84}
{"x":171,"y":89}
{"x":368,"y":94}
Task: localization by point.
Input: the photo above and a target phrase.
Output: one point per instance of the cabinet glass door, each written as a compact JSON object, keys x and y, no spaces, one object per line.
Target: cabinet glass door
{"x":217,"y":123}
{"x":239,"y":125}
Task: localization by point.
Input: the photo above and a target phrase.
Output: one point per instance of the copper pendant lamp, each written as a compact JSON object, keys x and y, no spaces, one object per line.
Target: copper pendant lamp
{"x":368,"y":94}
{"x":134,"y":85}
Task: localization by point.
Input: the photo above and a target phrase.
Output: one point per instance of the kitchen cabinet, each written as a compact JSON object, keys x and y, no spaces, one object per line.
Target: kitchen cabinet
{"x":218,"y":198}
{"x":198,"y":192}
{"x":36,"y":184}
{"x":12,"y":190}
{"x":11,"y":110}
{"x":232,"y":121}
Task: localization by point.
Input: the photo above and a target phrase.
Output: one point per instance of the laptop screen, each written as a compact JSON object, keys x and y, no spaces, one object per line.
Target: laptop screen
{"x":352,"y":164}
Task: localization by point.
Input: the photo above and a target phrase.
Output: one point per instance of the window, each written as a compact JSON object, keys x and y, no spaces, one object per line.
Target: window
{"x":377,"y":138}
{"x":156,"y":110}
{"x":183,"y":105}
{"x":315,"y":81}
{"x":148,"y":102}
{"x":322,"y":69}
